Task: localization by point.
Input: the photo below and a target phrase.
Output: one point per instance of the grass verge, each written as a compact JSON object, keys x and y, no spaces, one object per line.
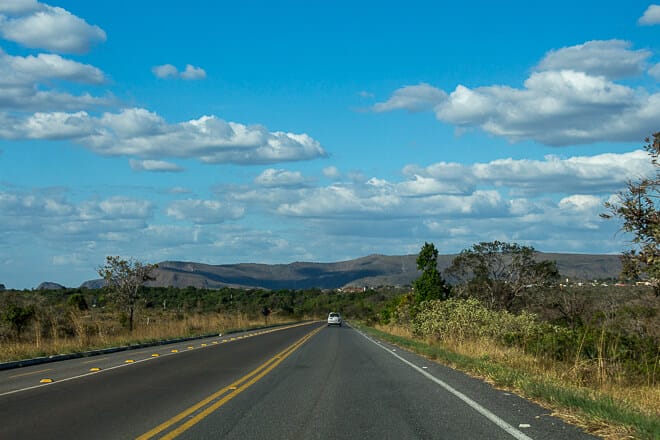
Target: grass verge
{"x":600,"y":415}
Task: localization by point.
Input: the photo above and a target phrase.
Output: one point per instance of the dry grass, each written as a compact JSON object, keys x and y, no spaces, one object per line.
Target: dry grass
{"x":89,"y":332}
{"x":643,"y":399}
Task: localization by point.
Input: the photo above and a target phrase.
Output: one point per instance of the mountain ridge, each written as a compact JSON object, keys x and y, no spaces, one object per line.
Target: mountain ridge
{"x":370,"y":271}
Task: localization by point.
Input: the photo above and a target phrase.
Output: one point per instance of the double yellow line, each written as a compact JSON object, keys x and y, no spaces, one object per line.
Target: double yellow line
{"x":204,"y":408}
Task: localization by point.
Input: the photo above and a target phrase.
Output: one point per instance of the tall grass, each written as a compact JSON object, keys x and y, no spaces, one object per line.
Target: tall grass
{"x":575,"y":371}
{"x":82,"y":331}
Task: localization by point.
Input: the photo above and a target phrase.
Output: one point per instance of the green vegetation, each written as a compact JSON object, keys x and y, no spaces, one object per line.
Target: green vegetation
{"x":503,"y":275}
{"x":56,"y":321}
{"x":637,"y":207}
{"x":597,"y":412}
{"x":430,"y":285}
{"x":124,"y":280}
{"x":587,"y":350}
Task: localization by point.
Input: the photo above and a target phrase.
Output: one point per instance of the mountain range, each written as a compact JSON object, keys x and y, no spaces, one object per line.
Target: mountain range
{"x":370,"y":271}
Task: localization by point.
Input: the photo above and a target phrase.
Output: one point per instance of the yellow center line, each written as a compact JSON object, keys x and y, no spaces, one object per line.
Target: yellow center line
{"x":29,"y":374}
{"x":231,"y":391}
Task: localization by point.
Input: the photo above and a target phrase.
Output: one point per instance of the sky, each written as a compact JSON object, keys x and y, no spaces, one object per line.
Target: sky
{"x":274,"y":132}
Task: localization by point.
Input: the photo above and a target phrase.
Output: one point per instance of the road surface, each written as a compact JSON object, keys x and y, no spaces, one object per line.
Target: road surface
{"x":301,"y":382}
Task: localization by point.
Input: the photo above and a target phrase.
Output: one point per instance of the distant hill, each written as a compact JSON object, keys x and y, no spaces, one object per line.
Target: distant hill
{"x":370,"y":271}
{"x":48,"y":285}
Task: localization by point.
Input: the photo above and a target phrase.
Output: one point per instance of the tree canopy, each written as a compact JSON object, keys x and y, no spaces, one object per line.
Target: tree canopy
{"x":430,"y":285}
{"x":499,"y":273}
{"x":637,"y":206}
{"x":123,"y":279}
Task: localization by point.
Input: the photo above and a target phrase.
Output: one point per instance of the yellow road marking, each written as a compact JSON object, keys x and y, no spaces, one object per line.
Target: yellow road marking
{"x":208,"y":405}
{"x":47,"y":380}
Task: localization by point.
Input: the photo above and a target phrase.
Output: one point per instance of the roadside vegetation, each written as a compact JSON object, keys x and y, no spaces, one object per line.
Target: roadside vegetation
{"x":36,"y":323}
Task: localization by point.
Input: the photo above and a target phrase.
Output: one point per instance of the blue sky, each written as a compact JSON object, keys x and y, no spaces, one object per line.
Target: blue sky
{"x":273,"y":132}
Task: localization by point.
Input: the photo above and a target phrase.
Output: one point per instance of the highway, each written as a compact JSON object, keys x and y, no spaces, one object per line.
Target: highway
{"x":301,"y":382}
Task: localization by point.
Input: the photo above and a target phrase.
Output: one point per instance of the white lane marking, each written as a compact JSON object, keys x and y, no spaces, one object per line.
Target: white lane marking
{"x":474,"y":405}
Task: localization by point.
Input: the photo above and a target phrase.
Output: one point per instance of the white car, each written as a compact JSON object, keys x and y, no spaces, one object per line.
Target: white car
{"x":334,"y":318}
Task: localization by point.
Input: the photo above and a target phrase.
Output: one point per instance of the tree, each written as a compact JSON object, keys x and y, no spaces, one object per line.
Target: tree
{"x":123,"y":280}
{"x":430,"y":285}
{"x":18,"y":317}
{"x":500,"y":273}
{"x":638,"y":207}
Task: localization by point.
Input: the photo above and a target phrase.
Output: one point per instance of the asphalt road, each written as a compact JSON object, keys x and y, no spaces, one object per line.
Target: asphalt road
{"x":304,"y":382}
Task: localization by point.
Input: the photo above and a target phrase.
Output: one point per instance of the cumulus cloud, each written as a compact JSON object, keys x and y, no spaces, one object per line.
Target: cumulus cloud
{"x":503,"y":188}
{"x":570,"y":100}
{"x":167,"y":71}
{"x":203,"y":211}
{"x":139,"y":132}
{"x":154,"y":165}
{"x":41,"y":26}
{"x":654,"y":71}
{"x":418,"y":98}
{"x":24,"y":71}
{"x":651,"y":16}
{"x":22,"y":80}
{"x":612,"y":59}
{"x":331,"y":172}
{"x":278,"y":178}
{"x":16,"y":7}
{"x":53,"y":218}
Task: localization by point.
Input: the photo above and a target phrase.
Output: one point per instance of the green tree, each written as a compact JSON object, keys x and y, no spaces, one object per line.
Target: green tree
{"x":500,"y":274}
{"x":430,"y":285}
{"x":124,"y":280}
{"x":77,"y":301}
{"x":17,"y":317}
{"x":637,"y":206}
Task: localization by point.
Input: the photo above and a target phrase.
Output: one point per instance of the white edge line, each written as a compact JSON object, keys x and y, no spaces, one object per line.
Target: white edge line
{"x":474,"y":405}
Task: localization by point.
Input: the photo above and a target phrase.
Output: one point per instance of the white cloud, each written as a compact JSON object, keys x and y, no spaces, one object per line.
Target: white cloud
{"x":25,"y":71}
{"x":654,"y":71}
{"x":154,"y":165}
{"x":421,"y":97}
{"x":203,"y":211}
{"x":180,"y":190}
{"x":612,"y":59}
{"x":331,"y":172}
{"x":574,"y":104}
{"x":16,"y":7}
{"x":279,"y":178}
{"x":191,"y":72}
{"x":50,"y":28}
{"x":22,"y":81}
{"x":165,"y":71}
{"x":651,"y":16}
{"x":139,"y":132}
